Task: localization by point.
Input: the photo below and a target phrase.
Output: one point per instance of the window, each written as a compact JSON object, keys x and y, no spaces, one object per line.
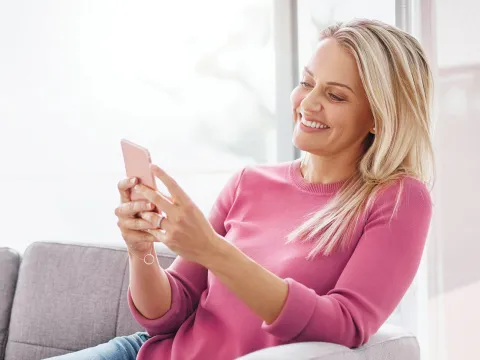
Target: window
{"x":453,"y":273}
{"x":191,"y":81}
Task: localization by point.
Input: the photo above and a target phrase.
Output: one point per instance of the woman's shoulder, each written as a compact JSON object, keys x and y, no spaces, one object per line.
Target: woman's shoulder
{"x":263,"y":172}
{"x":408,"y":194}
{"x":406,"y":186}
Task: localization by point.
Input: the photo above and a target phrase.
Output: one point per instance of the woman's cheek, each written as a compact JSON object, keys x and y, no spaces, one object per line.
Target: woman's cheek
{"x":296,"y":97}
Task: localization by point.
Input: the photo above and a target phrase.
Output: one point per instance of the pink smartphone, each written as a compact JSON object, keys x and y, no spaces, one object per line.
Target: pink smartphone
{"x":137,"y":163}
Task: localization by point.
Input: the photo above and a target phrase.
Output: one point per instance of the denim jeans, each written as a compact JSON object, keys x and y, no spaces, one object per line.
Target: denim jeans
{"x":119,"y":348}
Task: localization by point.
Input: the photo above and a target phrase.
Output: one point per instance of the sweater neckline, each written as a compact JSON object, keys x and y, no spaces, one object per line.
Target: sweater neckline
{"x":314,"y":188}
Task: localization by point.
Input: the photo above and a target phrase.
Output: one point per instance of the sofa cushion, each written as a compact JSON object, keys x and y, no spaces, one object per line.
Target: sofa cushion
{"x":61,"y":290}
{"x":390,"y":342}
{"x":9,"y":264}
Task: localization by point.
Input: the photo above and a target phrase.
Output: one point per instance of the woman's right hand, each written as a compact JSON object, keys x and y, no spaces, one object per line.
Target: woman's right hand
{"x":139,"y":242}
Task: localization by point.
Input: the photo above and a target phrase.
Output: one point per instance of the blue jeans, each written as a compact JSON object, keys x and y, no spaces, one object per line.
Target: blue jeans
{"x":119,"y":348}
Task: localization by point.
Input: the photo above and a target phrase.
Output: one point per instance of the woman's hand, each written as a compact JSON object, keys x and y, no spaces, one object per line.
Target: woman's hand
{"x":185,"y":229}
{"x":139,"y":242}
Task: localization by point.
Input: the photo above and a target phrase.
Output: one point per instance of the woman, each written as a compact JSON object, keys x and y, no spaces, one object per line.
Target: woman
{"x":321,"y":249}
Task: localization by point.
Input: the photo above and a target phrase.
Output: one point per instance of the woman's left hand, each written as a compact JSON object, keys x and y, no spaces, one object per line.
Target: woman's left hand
{"x":186,"y":230}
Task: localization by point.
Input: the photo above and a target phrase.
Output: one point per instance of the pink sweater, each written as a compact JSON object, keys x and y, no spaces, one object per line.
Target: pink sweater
{"x":343,"y":298}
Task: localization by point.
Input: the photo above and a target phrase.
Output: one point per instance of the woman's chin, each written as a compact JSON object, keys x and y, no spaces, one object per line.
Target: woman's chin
{"x":304,"y":145}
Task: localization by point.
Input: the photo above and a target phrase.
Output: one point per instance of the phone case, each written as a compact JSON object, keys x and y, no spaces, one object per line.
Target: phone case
{"x":137,"y":163}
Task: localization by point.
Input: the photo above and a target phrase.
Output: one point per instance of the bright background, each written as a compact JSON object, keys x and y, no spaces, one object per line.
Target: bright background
{"x":205,"y":86}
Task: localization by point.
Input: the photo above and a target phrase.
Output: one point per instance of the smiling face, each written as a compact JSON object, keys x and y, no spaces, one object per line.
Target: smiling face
{"x":331,"y":93}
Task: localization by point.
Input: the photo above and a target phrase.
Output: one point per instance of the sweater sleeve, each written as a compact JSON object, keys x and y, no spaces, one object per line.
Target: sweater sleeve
{"x":376,"y":277}
{"x":188,"y":280}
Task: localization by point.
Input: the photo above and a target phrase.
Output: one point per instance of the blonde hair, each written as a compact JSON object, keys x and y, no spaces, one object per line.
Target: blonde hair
{"x":398,"y":83}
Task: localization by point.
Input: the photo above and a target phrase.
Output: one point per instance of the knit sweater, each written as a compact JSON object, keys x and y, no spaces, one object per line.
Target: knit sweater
{"x":342,"y":298}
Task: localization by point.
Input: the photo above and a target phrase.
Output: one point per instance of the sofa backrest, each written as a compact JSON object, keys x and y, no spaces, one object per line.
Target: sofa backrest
{"x":9,"y":265}
{"x":69,"y":297}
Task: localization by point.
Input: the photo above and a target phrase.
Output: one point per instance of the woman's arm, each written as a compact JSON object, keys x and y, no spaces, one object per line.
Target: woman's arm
{"x":161,"y":300}
{"x":372,"y":284}
{"x":172,"y":294}
{"x":149,"y":288}
{"x":263,"y":291}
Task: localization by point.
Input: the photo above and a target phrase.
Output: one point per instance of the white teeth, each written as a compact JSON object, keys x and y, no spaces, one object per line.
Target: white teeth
{"x":313,"y":124}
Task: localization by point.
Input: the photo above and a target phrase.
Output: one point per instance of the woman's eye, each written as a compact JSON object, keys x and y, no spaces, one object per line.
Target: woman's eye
{"x":335,"y":97}
{"x":332,"y":96}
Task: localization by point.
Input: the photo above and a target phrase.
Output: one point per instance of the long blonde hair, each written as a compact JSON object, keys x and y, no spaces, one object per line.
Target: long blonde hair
{"x":398,"y":82}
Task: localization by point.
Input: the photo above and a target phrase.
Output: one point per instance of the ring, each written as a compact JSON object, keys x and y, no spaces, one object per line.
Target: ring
{"x":160,"y":221}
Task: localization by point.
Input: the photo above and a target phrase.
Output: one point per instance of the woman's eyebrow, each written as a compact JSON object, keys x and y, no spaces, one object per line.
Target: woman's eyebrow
{"x":307,"y":70}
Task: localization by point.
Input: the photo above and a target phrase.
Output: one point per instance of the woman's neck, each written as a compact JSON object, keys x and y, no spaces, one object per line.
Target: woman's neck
{"x":324,"y":171}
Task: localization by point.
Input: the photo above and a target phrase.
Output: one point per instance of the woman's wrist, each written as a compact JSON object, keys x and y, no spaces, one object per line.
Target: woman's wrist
{"x":146,"y":256}
{"x":221,"y":255}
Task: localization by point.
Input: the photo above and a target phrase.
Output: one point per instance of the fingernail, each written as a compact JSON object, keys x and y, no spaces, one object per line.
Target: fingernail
{"x":149,"y":205}
{"x":132,"y":180}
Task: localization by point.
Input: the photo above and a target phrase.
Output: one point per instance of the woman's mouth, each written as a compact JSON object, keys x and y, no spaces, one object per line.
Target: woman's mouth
{"x":311,"y":126}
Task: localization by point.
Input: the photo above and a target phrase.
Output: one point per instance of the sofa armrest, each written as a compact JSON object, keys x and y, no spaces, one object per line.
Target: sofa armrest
{"x":390,"y":342}
{"x":303,"y":351}
{"x":9,"y":266}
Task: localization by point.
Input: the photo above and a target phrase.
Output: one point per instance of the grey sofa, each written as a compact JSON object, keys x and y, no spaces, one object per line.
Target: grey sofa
{"x":52,"y":294}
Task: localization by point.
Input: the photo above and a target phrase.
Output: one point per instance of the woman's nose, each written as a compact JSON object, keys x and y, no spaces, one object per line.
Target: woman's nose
{"x":312,"y":102}
{"x":309,"y":106}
